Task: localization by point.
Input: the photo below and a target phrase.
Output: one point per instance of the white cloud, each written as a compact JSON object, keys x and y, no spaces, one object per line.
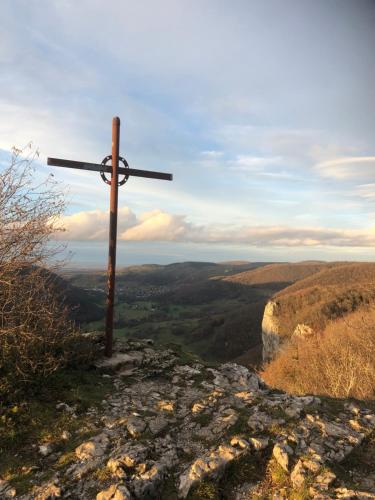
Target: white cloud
{"x":366,"y":191}
{"x":93,"y":224}
{"x":162,"y":226}
{"x":158,"y":225}
{"x":255,"y":163}
{"x":212,"y":154}
{"x":347,"y":167}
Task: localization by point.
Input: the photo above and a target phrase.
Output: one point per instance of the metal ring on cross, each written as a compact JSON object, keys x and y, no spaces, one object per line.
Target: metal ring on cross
{"x":125,"y":164}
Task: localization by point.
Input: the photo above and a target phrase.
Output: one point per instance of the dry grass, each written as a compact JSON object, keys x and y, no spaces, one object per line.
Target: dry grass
{"x":338,"y":362}
{"x":279,"y":273}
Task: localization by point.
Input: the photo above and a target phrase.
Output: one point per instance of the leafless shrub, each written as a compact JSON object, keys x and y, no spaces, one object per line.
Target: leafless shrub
{"x":338,"y":362}
{"x":36,"y":335}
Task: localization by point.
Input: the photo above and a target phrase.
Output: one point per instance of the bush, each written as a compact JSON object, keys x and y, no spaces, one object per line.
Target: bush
{"x":338,"y":362}
{"x":36,"y":334}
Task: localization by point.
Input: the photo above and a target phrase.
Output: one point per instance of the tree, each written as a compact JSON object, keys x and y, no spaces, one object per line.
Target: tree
{"x":36,"y":334}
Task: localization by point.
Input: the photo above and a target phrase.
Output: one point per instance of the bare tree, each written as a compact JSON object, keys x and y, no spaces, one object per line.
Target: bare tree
{"x":36,"y":334}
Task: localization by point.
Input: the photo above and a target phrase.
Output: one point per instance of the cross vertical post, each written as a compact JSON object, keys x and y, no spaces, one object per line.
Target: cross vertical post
{"x":115,"y":170}
{"x":113,"y":210}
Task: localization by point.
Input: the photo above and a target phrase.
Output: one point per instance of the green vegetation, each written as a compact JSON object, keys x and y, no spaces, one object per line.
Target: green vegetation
{"x":186,"y":304}
{"x":29,"y":423}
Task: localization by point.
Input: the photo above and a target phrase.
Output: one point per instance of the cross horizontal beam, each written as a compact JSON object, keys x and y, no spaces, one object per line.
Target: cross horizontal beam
{"x":97,"y":167}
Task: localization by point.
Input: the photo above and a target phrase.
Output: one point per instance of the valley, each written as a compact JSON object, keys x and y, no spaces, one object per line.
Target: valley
{"x":188,"y":304}
{"x":213,"y":310}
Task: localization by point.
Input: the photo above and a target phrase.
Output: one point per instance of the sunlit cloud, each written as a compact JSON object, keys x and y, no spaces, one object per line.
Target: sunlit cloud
{"x":162,"y":226}
{"x":93,"y":224}
{"x":347,"y":167}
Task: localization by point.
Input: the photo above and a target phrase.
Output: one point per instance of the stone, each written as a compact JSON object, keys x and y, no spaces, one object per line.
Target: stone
{"x":93,"y":448}
{"x":281,"y":456}
{"x":45,"y":449}
{"x":48,"y":491}
{"x":135,"y":426}
{"x":259,"y":421}
{"x":166,"y":406}
{"x":66,"y":435}
{"x":259,"y":443}
{"x":65,"y":407}
{"x":116,"y":468}
{"x":157,"y":425}
{"x":298,"y":475}
{"x":302,"y":331}
{"x":114,"y":492}
{"x":146,"y":483}
{"x":325,"y":479}
{"x":130,"y":455}
{"x":119,"y":360}
{"x":237,"y":441}
{"x":210,"y":464}
{"x":333,"y":430}
{"x":6,"y":490}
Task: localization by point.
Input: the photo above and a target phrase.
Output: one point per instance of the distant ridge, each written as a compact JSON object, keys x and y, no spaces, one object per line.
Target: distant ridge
{"x":279,"y":273}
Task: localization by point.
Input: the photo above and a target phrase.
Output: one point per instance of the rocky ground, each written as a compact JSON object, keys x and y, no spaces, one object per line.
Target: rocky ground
{"x":175,"y":430}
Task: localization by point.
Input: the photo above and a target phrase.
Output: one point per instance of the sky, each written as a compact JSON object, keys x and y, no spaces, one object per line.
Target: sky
{"x":263,"y":110}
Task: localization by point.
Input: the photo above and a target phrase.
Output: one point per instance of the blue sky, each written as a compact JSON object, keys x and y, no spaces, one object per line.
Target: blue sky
{"x":264,"y":110}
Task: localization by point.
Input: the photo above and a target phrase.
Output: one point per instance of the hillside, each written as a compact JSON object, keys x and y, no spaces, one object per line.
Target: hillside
{"x":318,"y":335}
{"x":326,"y":295}
{"x":163,"y":276}
{"x":285,"y":273}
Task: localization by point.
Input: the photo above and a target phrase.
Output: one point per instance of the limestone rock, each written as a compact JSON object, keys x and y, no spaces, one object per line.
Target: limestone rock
{"x":135,"y":426}
{"x":146,"y":483}
{"x":281,"y":455}
{"x":210,"y":465}
{"x":114,"y":492}
{"x":6,"y":490}
{"x":192,"y":434}
{"x":93,"y":448}
{"x":270,"y":331}
{"x":158,"y":425}
{"x":259,"y":443}
{"x":45,"y":449}
{"x":302,"y":331}
{"x":298,"y":475}
{"x":48,"y":491}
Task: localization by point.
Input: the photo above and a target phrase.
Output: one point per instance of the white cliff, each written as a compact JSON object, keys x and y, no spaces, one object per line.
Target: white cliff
{"x":270,"y":331}
{"x":271,"y":338}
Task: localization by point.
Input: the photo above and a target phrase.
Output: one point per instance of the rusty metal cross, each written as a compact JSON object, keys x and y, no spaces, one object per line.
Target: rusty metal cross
{"x":115,"y":170}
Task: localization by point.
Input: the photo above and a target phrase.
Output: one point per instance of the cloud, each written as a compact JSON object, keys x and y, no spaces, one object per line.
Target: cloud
{"x":158,"y":226}
{"x":162,"y":226}
{"x":347,"y":167}
{"x":212,"y":154}
{"x":255,"y":163}
{"x":93,"y":224}
{"x":366,"y":191}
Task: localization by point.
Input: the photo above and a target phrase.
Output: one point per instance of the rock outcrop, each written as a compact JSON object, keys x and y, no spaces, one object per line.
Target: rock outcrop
{"x":169,"y":425}
{"x":270,"y":331}
{"x":271,"y":338}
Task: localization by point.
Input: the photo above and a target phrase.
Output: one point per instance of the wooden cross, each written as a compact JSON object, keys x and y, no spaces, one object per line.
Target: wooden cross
{"x":115,"y":171}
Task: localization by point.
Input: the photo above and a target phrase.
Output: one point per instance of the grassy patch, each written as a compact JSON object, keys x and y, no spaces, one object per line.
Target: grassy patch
{"x":36,"y":421}
{"x":249,"y":468}
{"x":202,"y":419}
{"x":206,"y":490}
